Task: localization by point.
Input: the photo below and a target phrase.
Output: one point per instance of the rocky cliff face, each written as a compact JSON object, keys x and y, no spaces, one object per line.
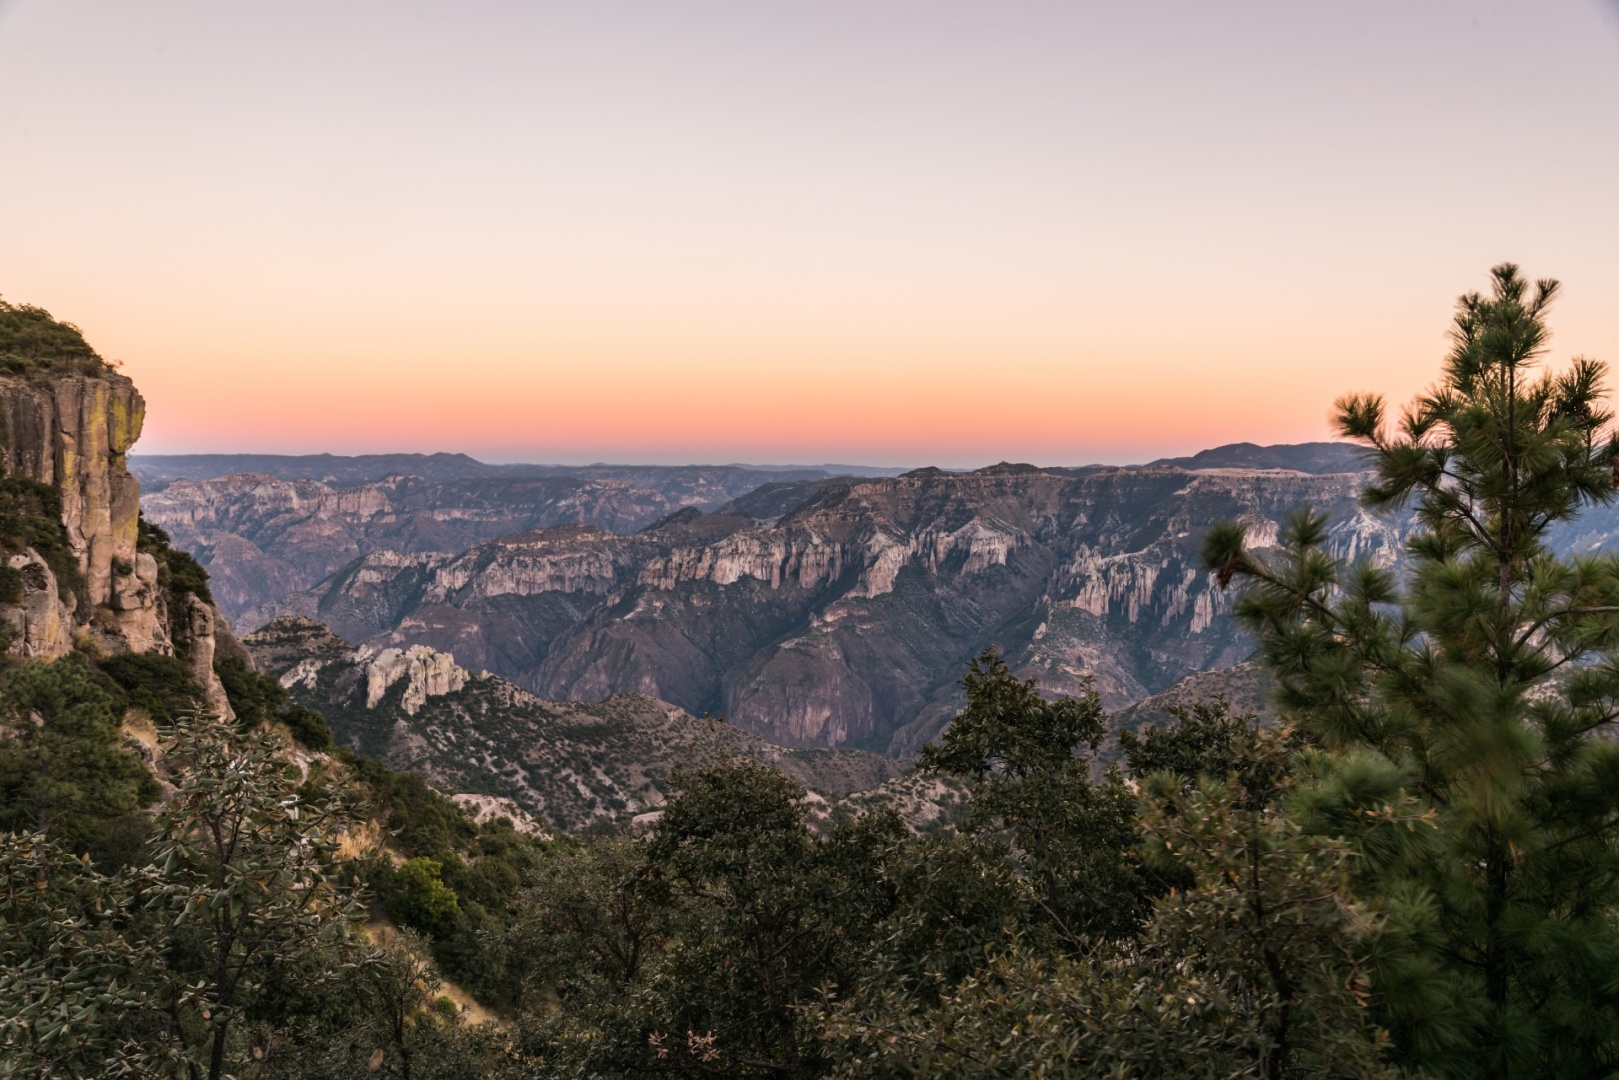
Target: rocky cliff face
{"x":41,"y":622}
{"x":71,"y":434}
{"x":262,"y":537}
{"x":847,"y":620}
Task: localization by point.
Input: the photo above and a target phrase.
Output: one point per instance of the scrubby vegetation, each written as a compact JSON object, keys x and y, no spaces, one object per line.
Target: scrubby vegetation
{"x":64,"y":768}
{"x":31,"y":517}
{"x":33,"y":343}
{"x":177,"y":572}
{"x":257,"y":699}
{"x":1414,"y":874}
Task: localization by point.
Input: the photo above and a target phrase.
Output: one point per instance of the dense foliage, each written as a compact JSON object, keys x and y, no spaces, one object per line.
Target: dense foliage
{"x":33,"y":343}
{"x":64,"y":768}
{"x":1415,"y":872}
{"x":257,"y":699}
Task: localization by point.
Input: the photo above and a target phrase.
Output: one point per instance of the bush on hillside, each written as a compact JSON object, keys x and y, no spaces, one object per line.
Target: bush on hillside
{"x":64,"y":768}
{"x":160,"y":686}
{"x":34,"y":343}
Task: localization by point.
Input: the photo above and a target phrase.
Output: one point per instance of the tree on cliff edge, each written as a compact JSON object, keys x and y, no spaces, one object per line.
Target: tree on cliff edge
{"x":32,"y":342}
{"x":1485,"y":684}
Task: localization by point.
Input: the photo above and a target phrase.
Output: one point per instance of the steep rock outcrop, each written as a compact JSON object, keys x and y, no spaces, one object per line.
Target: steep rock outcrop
{"x":426,"y":674}
{"x":72,"y":433}
{"x":41,"y":624}
{"x":202,"y":647}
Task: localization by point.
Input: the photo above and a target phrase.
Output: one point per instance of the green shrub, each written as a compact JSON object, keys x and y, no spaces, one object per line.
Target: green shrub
{"x":492,"y":882}
{"x":160,"y":685}
{"x":308,"y":727}
{"x":63,"y":764}
{"x":420,"y":898}
{"x":257,"y":699}
{"x":423,"y":821}
{"x":34,"y":343}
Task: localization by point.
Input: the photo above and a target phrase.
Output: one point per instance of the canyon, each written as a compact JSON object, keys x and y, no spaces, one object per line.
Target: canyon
{"x":814,"y":612}
{"x":264,"y":534}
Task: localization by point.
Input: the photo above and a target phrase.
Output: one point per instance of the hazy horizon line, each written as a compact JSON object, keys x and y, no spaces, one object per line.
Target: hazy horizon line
{"x":761,"y":466}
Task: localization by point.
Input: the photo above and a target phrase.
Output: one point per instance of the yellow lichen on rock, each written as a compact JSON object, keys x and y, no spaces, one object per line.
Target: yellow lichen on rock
{"x":73,"y":433}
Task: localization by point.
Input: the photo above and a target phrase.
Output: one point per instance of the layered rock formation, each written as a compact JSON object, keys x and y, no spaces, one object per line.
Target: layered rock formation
{"x":72,"y":433}
{"x":262,"y":537}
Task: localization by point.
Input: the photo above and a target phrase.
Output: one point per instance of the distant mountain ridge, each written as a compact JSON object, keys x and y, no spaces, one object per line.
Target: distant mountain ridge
{"x":1311,"y":457}
{"x":262,"y":537}
{"x":814,"y":610}
{"x":159,"y":470}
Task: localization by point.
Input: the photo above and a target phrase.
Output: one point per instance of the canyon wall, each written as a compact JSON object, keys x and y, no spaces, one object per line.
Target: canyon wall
{"x":71,"y":434}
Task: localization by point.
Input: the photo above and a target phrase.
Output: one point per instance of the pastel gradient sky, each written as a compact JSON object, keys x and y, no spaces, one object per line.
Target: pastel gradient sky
{"x":884,"y":231}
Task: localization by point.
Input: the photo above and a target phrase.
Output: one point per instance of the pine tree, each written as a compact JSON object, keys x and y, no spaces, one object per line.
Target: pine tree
{"x":1483,"y":681}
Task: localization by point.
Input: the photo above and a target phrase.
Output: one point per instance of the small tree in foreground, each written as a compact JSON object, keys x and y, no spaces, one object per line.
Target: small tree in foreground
{"x":1485,"y":685}
{"x":71,"y":978}
{"x":243,"y":871}
{"x":1026,"y":761}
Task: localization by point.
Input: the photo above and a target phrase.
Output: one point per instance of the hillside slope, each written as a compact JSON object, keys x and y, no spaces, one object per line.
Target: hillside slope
{"x":565,"y":763}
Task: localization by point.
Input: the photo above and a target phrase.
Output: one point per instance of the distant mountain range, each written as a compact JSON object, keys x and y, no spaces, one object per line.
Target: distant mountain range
{"x":1314,"y":457}
{"x":270,"y":525}
{"x":263,"y":536}
{"x":156,"y":471}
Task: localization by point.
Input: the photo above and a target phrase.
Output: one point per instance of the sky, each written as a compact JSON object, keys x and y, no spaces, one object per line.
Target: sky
{"x":890,"y":232}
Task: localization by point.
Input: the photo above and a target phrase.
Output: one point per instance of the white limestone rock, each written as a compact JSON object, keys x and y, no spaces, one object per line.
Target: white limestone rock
{"x":427,"y":673}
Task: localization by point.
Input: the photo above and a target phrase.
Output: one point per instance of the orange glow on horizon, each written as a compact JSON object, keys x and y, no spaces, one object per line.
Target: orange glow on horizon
{"x":906,"y":234}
